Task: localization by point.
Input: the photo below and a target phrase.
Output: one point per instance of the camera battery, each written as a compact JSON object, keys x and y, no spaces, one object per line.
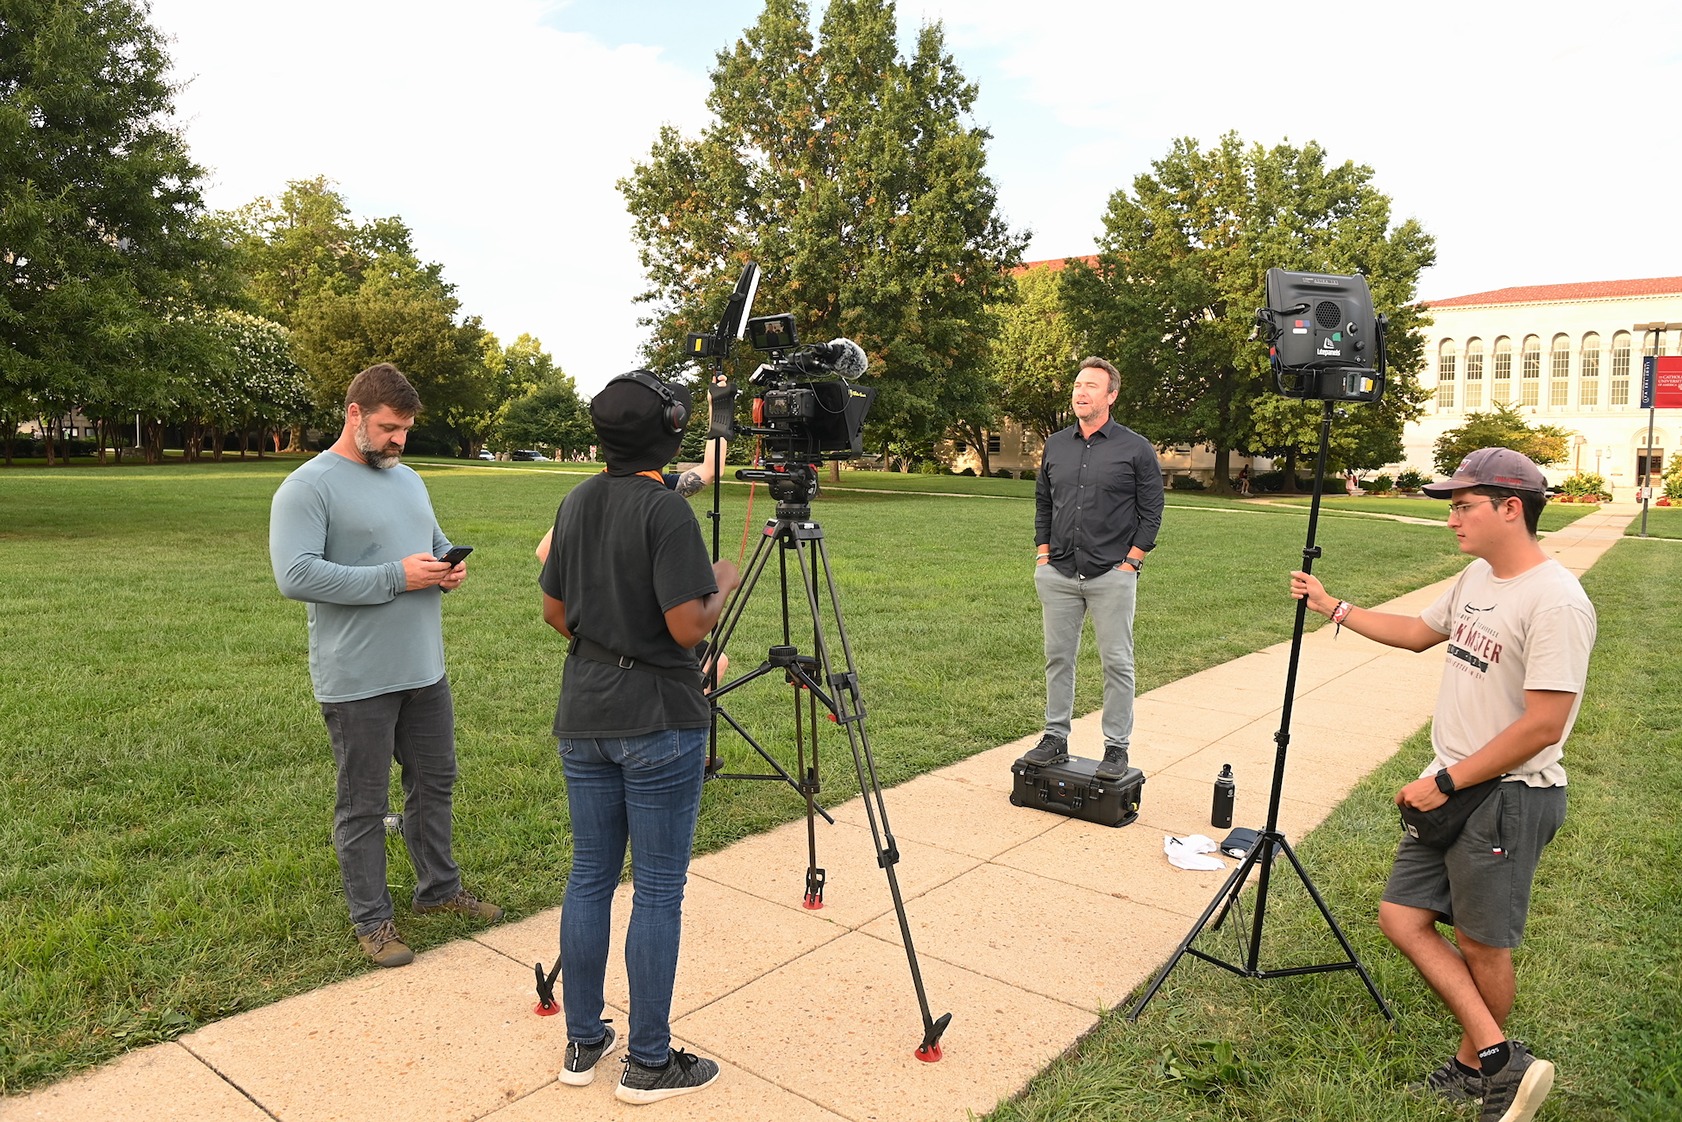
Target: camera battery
{"x":1071,"y":787}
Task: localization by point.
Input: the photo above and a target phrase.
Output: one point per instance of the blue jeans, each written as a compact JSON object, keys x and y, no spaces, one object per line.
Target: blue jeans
{"x":417,"y":729}
{"x":647,"y":790}
{"x":1109,"y":599}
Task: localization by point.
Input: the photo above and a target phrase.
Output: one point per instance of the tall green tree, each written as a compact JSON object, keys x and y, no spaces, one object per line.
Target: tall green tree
{"x":1181,"y":269}
{"x":852,"y":175}
{"x":549,"y":415}
{"x":1033,"y":355}
{"x":405,"y":317}
{"x":105,"y":250}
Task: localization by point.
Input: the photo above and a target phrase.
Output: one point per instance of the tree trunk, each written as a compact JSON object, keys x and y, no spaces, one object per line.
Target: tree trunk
{"x":46,"y":430}
{"x":1289,"y":486}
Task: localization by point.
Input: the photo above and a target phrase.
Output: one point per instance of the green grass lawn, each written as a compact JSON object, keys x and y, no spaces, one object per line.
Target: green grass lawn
{"x":168,"y":786}
{"x":1662,"y":522}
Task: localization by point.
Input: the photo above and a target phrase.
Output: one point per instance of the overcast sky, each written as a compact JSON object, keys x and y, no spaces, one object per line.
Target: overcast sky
{"x":1537,"y":142}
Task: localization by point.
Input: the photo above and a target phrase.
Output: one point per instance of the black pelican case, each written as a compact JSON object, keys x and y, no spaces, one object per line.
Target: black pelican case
{"x":1070,"y":787}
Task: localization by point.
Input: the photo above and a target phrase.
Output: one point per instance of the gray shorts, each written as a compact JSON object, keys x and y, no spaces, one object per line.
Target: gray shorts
{"x":1481,"y":884}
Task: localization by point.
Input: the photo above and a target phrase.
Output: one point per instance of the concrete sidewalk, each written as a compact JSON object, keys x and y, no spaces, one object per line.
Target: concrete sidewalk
{"x":812,"y":1014}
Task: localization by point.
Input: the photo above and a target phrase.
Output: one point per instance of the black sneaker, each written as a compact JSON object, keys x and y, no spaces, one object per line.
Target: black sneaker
{"x":1451,"y":1082}
{"x":1515,"y":1093}
{"x":1114,"y":764}
{"x":1051,"y":749}
{"x":682,"y":1074}
{"x":579,"y":1068}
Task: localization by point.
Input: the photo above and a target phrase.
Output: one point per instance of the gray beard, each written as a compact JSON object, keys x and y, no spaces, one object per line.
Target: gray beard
{"x":372,"y":458}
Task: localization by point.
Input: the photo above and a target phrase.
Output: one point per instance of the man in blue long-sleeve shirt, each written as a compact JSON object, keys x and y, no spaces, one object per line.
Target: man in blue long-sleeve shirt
{"x":1097,"y":510}
{"x":353,"y":535}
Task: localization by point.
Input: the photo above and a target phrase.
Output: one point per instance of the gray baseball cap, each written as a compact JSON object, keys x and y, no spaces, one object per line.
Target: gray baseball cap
{"x":1491,"y":467}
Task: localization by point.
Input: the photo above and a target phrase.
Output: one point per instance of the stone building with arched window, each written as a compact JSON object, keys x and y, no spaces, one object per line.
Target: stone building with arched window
{"x":1563,"y":354}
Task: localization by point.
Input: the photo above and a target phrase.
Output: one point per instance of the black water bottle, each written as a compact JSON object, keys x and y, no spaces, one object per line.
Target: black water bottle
{"x":1220,"y":814}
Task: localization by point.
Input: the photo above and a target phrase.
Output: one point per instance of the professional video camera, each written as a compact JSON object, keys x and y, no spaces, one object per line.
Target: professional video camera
{"x":806,"y":408}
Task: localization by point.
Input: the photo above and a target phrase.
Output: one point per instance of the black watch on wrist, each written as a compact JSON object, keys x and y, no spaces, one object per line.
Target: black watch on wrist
{"x":1445,"y":781}
{"x":1138,"y":563}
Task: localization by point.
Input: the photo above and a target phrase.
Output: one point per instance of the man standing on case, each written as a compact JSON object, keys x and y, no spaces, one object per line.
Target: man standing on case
{"x":1097,"y":510}
{"x":1519,"y":631}
{"x":352,"y":534}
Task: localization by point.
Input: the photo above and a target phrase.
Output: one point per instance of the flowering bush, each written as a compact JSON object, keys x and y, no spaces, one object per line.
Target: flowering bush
{"x":1673,"y":478}
{"x":1585,"y":487}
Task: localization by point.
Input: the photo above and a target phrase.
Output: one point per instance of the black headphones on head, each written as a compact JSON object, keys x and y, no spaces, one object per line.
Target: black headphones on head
{"x":674,"y":412}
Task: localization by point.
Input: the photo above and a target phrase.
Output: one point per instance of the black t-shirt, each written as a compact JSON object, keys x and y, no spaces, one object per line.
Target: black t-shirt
{"x":624,"y":550}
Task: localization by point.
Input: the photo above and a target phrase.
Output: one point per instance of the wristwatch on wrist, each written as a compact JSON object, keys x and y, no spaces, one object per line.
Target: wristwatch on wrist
{"x":1445,"y":781}
{"x":1138,"y":563}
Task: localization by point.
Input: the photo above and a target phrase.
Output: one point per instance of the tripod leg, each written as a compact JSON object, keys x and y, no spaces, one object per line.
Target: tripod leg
{"x":1228,"y":891}
{"x":848,"y":711}
{"x":1325,"y":912}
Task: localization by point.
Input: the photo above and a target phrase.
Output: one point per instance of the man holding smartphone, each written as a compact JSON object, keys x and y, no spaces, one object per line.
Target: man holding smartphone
{"x":352,"y":534}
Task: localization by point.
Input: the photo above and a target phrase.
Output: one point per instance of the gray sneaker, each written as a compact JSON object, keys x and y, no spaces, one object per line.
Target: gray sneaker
{"x":579,"y":1067}
{"x":1051,"y":749}
{"x":682,"y":1074}
{"x":1449,"y":1083}
{"x":1114,"y":764}
{"x":1515,"y":1093}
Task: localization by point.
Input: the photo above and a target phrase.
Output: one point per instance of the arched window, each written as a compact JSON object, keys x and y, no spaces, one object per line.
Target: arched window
{"x":1617,"y":388}
{"x":1501,"y":372}
{"x":1474,"y":374}
{"x":1559,"y":373}
{"x":1530,"y":372}
{"x":1589,"y":371}
{"x":1447,"y":358}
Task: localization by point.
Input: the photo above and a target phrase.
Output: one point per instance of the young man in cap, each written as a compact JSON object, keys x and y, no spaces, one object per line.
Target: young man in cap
{"x":628,"y":581}
{"x":1519,"y":631}
{"x":352,"y":534}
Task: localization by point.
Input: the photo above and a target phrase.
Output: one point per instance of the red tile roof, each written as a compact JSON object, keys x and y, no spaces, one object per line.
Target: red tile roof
{"x":1055,"y":264}
{"x":1524,"y":294}
{"x":1556,"y":293}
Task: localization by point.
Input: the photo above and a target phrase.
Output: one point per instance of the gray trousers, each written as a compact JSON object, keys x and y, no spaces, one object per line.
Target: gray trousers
{"x":1109,"y":599}
{"x":417,"y":729}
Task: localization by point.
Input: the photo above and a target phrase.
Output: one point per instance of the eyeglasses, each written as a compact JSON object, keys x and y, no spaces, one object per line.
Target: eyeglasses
{"x":1458,"y":510}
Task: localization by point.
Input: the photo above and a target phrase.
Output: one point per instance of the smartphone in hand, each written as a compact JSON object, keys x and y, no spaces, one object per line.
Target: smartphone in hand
{"x":456,"y":556}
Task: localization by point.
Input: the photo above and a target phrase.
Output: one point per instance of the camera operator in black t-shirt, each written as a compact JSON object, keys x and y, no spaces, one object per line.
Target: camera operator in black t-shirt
{"x":628,"y":581}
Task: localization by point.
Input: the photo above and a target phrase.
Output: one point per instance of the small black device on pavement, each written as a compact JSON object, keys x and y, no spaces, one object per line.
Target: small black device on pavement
{"x":1070,"y":787}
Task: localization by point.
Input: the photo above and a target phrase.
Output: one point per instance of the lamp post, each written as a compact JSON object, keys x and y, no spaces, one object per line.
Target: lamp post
{"x":1647,"y":381}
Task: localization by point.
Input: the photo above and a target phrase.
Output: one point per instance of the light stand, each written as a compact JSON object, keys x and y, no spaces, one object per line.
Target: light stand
{"x":1317,"y":327}
{"x":826,"y":681}
{"x":1271,"y":838}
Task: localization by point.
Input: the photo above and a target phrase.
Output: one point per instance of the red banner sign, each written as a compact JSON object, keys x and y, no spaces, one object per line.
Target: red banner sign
{"x":1667,"y":382}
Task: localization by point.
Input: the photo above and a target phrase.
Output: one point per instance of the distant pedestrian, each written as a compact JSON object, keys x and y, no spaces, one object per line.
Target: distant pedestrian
{"x":352,"y":534}
{"x":1351,"y":484}
{"x":1244,"y":481}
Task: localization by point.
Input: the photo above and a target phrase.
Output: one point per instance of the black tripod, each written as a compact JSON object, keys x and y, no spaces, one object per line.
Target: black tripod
{"x":1271,"y":839}
{"x":823,"y":681}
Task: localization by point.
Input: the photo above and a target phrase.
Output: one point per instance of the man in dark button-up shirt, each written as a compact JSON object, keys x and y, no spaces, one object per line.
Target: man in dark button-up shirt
{"x":1097,"y":509}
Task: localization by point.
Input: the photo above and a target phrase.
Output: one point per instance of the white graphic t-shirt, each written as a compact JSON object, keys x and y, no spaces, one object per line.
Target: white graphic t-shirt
{"x":1530,"y":632}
